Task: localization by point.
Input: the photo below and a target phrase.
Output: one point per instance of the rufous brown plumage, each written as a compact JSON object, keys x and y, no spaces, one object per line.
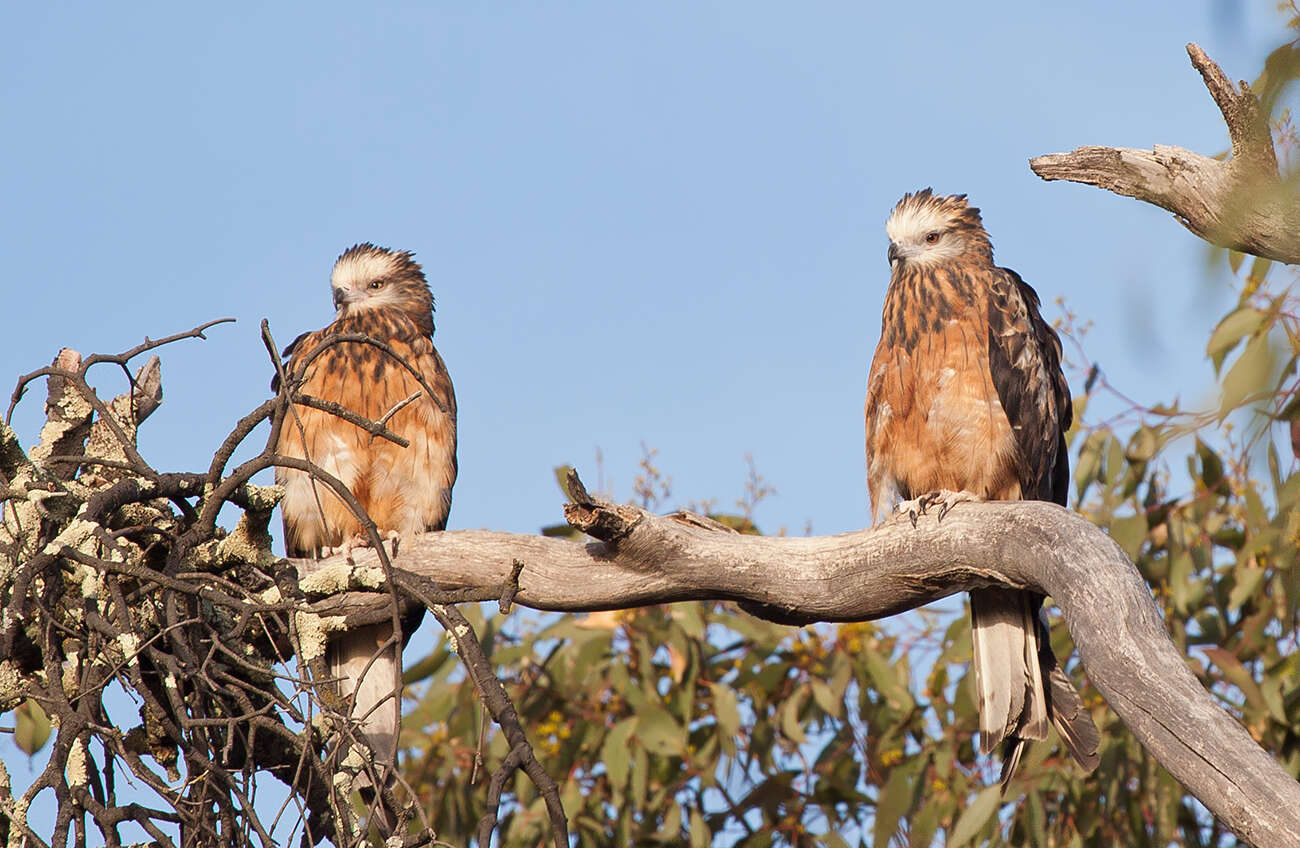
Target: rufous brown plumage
{"x":381,"y":294}
{"x":966,"y":394}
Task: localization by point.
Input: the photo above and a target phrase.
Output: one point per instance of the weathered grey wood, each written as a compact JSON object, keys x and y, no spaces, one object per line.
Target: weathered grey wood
{"x":1239,"y":203}
{"x":1122,"y":642}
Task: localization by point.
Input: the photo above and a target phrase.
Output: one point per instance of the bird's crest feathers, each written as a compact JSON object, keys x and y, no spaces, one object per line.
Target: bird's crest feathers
{"x":928,"y":228}
{"x":366,"y":277}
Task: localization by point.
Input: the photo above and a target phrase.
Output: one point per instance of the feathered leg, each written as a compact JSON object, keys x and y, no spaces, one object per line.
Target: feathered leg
{"x":368,"y":674}
{"x":369,"y":677}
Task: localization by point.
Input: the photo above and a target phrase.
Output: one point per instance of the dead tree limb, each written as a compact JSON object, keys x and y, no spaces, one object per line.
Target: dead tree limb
{"x":640,"y":559}
{"x":1241,"y":203}
{"x":112,"y":573}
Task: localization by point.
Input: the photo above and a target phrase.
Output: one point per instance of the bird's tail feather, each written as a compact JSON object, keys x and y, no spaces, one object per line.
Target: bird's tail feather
{"x":1008,"y":681}
{"x":1011,"y":648}
{"x":1070,"y":717}
{"x":1011,"y":751}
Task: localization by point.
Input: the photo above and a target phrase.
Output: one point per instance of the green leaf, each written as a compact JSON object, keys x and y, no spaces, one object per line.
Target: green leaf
{"x":671,"y":829}
{"x":690,"y":617}
{"x":788,"y":715}
{"x":1258,"y":272}
{"x":428,"y":666}
{"x":832,"y":840}
{"x":894,"y":800}
{"x":925,"y":821}
{"x":1290,"y":492}
{"x":1113,"y":467}
{"x":726,"y":708}
{"x":1211,"y":465}
{"x":841,"y":676}
{"x":640,"y":775}
{"x":1143,"y":446}
{"x":885,"y":678}
{"x":739,"y":523}
{"x":1085,"y":470}
{"x":614,"y":752}
{"x":32,"y":729}
{"x":1035,"y":818}
{"x":1248,"y":375}
{"x":1271,"y":689}
{"x":1235,"y":326}
{"x":701,"y":835}
{"x":974,"y":817}
{"x":1256,"y":513}
{"x":1130,"y":532}
{"x":826,"y":699}
{"x":1246,"y":587}
{"x":658,"y":731}
{"x":562,"y":531}
{"x":1238,"y":675}
{"x":562,"y":478}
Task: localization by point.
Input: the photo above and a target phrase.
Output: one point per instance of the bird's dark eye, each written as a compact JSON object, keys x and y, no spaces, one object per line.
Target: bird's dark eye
{"x":377,"y":284}
{"x":931,"y":238}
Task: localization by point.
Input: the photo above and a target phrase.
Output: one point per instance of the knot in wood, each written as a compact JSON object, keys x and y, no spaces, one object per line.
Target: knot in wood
{"x":606,"y":522}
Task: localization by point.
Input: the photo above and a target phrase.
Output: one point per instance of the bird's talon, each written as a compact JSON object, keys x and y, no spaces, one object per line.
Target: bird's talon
{"x":945,"y":500}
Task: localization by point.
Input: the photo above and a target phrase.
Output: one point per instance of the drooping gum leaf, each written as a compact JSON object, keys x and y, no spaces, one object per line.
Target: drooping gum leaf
{"x":974,"y":817}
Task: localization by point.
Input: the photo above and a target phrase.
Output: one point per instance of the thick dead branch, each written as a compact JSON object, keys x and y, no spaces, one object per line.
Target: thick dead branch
{"x":641,"y":559}
{"x":1241,"y":203}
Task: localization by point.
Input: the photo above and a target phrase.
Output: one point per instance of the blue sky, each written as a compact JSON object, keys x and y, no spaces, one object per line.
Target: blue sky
{"x":657,"y":223}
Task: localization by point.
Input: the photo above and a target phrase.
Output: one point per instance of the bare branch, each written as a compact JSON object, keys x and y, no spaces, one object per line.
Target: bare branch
{"x":643,"y":559}
{"x":116,"y":358}
{"x":362,"y":338}
{"x":374,"y":428}
{"x":1241,"y":204}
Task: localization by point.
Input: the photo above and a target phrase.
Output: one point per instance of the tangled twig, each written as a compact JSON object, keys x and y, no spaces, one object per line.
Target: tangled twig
{"x":116,"y":576}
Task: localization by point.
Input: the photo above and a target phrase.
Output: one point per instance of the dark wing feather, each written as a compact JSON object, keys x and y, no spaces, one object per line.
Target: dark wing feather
{"x":286,"y":355}
{"x":1025,"y":363}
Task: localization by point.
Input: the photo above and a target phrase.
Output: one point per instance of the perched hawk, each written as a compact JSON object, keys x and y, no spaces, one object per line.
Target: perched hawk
{"x":383,"y":294}
{"x":966,"y":394}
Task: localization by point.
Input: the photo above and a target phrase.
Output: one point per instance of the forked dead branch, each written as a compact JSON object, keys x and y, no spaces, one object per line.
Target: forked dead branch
{"x":1242,"y":203}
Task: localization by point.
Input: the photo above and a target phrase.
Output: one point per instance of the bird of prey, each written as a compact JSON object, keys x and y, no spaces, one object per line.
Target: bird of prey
{"x":381,"y":294}
{"x":966,"y":396}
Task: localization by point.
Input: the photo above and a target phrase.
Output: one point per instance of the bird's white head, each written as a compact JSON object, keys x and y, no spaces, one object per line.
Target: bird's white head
{"x":367,"y":277}
{"x":926,"y":229}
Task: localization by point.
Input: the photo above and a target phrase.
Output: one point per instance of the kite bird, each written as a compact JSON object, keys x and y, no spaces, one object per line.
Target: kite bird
{"x":381,"y":294}
{"x":965,"y":397}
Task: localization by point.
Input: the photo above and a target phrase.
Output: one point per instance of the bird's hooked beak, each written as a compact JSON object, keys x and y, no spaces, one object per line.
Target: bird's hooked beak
{"x":345,"y":295}
{"x":893,"y":255}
